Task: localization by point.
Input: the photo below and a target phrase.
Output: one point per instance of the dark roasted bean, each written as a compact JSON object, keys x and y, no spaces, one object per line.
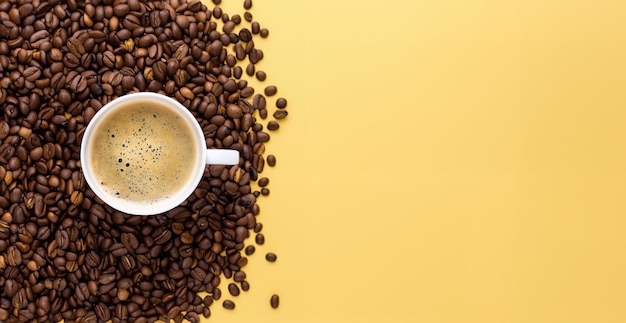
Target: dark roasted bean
{"x":259,"y":239}
{"x":273,"y":125}
{"x":237,"y":72}
{"x":250,"y":69}
{"x":270,"y":256}
{"x":255,"y":28}
{"x":270,"y":90}
{"x":228,"y":304}
{"x":263,"y":181}
{"x":217,"y":294}
{"x":281,"y":103}
{"x":247,"y":16}
{"x":271,"y":160}
{"x":274,"y":301}
{"x":103,"y":312}
{"x":228,"y":27}
{"x":233,"y":289}
{"x":239,"y":276}
{"x":121,"y":10}
{"x":234,"y":111}
{"x":280,"y":114}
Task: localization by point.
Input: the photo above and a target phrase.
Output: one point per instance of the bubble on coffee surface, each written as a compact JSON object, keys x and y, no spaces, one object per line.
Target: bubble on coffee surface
{"x":145,"y":153}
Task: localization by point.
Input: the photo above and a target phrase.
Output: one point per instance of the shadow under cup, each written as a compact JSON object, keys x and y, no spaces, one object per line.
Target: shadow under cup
{"x":145,"y":153}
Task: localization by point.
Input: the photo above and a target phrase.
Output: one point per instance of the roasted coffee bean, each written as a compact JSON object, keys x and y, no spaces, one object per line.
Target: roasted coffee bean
{"x":234,"y":111}
{"x":274,"y":301}
{"x":4,"y":129}
{"x":192,"y":317}
{"x":246,"y":92}
{"x":259,"y":239}
{"x":240,"y":52}
{"x":4,"y":315}
{"x":217,"y":294}
{"x":233,"y":289}
{"x":281,"y":103}
{"x":273,"y":125}
{"x":261,"y":76}
{"x":250,"y":69}
{"x":228,"y":304}
{"x":245,"y":35}
{"x":32,"y":73}
{"x":255,"y":28}
{"x":280,"y":114}
{"x":106,"y":279}
{"x":270,"y":256}
{"x":13,"y":257}
{"x":237,"y":72}
{"x":270,"y":90}
{"x":247,"y":16}
{"x":239,"y":276}
{"x":263,"y":181}
{"x":271,"y":160}
{"x":245,"y":286}
{"x":121,"y":10}
{"x":250,"y":250}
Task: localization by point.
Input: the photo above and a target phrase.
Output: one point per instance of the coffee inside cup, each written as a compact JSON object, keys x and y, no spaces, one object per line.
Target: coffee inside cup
{"x":144,"y":153}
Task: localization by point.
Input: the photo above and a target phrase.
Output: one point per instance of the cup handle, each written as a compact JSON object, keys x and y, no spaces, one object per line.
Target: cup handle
{"x":222,"y":157}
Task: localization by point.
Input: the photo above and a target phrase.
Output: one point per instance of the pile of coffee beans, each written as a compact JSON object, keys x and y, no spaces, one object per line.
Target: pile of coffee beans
{"x":64,"y":254}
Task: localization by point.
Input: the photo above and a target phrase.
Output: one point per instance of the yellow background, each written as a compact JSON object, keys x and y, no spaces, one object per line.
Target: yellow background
{"x":443,"y":161}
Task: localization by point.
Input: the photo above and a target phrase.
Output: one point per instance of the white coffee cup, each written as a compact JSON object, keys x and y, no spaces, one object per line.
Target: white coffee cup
{"x":145,"y":153}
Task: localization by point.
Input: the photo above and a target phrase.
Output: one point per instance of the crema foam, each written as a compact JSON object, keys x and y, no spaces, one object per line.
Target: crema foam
{"x":144,"y":152}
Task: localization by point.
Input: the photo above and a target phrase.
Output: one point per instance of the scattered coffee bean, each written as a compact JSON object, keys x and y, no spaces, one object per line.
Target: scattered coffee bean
{"x":271,"y":160}
{"x":247,"y":16}
{"x":233,"y":289}
{"x":273,"y":125}
{"x":281,"y":103}
{"x":280,"y":114}
{"x":259,"y":239}
{"x":245,"y":286}
{"x":265,"y":191}
{"x":239,"y":276}
{"x":247,"y":4}
{"x":264,"y":32}
{"x":250,"y":250}
{"x":263,"y":181}
{"x":270,"y":256}
{"x":261,"y":76}
{"x":274,"y":301}
{"x":270,"y":90}
{"x":228,"y":304}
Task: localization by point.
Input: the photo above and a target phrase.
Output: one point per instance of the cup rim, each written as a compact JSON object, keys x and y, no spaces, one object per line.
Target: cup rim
{"x":131,"y":207}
